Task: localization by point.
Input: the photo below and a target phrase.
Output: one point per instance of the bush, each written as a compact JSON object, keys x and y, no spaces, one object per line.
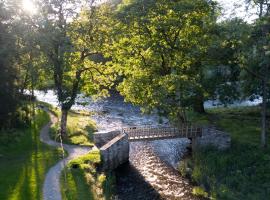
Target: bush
{"x":91,"y":158}
{"x":85,"y":180}
{"x":199,"y":191}
{"x":185,"y":167}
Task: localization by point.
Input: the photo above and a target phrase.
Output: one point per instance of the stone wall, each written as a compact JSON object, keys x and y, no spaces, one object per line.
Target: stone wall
{"x":101,"y":138}
{"x":115,"y":152}
{"x":212,"y":137}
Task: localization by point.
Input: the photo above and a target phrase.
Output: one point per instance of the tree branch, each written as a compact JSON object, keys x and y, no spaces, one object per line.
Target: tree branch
{"x":259,"y":76}
{"x":85,"y":54}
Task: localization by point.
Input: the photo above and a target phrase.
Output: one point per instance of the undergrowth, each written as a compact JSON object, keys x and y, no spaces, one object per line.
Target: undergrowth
{"x":241,"y":172}
{"x":84,"y":180}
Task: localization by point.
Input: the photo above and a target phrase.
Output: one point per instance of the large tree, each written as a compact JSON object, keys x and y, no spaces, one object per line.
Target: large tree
{"x":161,"y":53}
{"x":255,"y":60}
{"x":8,"y":89}
{"x":71,"y":38}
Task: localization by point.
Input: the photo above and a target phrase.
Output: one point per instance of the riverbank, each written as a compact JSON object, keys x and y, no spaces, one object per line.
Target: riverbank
{"x":239,"y":173}
{"x":243,"y":171}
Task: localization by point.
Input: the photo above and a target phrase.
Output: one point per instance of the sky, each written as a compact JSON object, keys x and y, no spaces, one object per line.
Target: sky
{"x":237,"y":8}
{"x":231,"y":8}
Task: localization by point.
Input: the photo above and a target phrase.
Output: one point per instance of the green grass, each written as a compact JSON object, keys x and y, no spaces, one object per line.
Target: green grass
{"x":76,"y":187}
{"x":24,"y":161}
{"x":243,"y":171}
{"x":80,"y":128}
{"x":84,"y":181}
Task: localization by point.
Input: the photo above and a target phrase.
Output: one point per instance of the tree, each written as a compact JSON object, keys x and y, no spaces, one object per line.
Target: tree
{"x":161,"y":52}
{"x":8,"y":89}
{"x":255,"y":61}
{"x":71,"y":41}
{"x":222,"y":77}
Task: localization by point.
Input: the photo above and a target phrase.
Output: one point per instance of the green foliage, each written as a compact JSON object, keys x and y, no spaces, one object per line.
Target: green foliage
{"x":84,"y":181}
{"x":185,"y":168}
{"x":254,"y":58}
{"x":108,"y":185}
{"x":222,"y":74}
{"x":172,"y":55}
{"x":242,"y":172}
{"x":24,"y":161}
{"x":198,"y":191}
{"x":74,"y":66}
{"x":8,"y":89}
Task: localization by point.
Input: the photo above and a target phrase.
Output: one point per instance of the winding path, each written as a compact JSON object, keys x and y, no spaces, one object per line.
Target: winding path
{"x":51,"y":186}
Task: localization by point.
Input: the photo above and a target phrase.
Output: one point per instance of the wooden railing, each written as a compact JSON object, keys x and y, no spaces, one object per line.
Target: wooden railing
{"x":148,"y":133}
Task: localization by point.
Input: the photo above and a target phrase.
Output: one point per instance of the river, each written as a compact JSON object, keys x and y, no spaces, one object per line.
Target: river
{"x":151,"y":173}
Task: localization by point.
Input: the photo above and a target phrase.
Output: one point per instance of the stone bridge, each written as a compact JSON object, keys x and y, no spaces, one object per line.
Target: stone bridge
{"x":114,"y":145}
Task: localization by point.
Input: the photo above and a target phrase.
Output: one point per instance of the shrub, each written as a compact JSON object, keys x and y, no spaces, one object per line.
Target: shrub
{"x":199,"y":191}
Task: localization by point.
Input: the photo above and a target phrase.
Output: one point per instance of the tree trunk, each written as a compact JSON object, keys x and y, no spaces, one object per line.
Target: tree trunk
{"x":63,"y":126}
{"x":198,"y":104}
{"x":263,"y":113}
{"x":181,"y":117}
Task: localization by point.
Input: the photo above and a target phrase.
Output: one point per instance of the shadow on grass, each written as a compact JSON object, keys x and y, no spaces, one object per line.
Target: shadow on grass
{"x":24,"y":163}
{"x":75,"y":187}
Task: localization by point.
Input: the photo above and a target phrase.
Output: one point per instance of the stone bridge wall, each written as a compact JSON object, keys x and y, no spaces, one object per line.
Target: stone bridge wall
{"x":212,"y":137}
{"x":115,"y":152}
{"x":102,"y":138}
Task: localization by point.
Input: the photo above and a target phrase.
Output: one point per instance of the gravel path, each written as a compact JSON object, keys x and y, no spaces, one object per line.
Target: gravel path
{"x":51,"y":186}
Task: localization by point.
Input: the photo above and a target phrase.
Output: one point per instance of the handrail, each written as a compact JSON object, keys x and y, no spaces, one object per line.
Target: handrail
{"x":152,"y":132}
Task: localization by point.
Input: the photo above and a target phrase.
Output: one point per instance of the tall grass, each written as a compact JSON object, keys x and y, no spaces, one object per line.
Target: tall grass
{"x":243,"y":171}
{"x":85,"y":181}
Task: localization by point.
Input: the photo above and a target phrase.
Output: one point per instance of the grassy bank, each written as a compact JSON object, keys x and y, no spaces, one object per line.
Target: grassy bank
{"x":84,"y":181}
{"x":242,"y":172}
{"x":81,"y":179}
{"x":24,"y":161}
{"x":80,"y":128}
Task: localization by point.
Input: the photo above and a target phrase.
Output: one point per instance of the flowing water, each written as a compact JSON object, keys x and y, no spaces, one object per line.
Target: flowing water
{"x":147,"y":176}
{"x":109,"y":114}
{"x":151,"y":172}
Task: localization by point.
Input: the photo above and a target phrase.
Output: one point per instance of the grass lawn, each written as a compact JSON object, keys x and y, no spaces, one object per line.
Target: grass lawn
{"x":24,"y":161}
{"x":242,"y":172}
{"x":84,"y":181}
